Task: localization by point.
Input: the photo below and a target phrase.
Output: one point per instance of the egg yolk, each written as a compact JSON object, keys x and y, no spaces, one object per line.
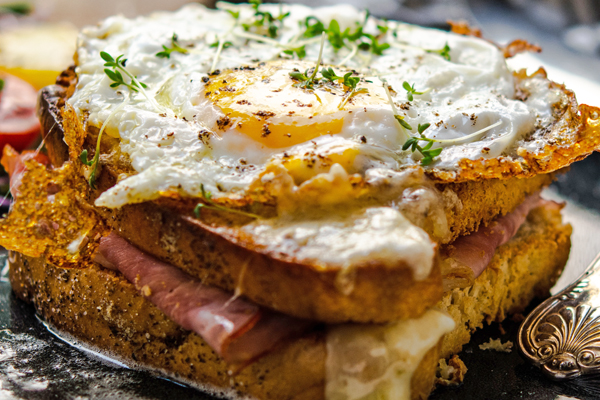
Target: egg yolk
{"x":266,"y":104}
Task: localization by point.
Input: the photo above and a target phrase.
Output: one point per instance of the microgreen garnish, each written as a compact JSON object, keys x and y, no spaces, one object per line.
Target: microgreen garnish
{"x":166,"y":53}
{"x":352,"y":40}
{"x":305,"y":81}
{"x":351,"y":82}
{"x":299,"y":51}
{"x":211,"y":205}
{"x":93,"y":163}
{"x":225,"y":44}
{"x":315,"y":29}
{"x":337,"y":38}
{"x":16,"y":8}
{"x":114,"y":74}
{"x":329,"y":74}
{"x":234,"y":14}
{"x":427,"y":152}
{"x":444,"y":52}
{"x":383,"y":28}
{"x":402,"y":122}
{"x":410,"y":90}
{"x":264,"y":19}
{"x":334,"y":35}
{"x":375,"y":47}
{"x":1,"y":84}
{"x":412,"y":142}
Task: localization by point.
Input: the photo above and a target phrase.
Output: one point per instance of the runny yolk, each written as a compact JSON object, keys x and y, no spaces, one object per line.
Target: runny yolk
{"x":264,"y":104}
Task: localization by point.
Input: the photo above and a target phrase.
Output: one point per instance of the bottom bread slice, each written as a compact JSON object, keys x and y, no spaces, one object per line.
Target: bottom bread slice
{"x":102,"y":309}
{"x":524,"y":268}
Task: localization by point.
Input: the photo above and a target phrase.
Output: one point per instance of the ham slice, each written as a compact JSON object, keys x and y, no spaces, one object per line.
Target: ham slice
{"x":477,"y":249}
{"x":237,"y":330}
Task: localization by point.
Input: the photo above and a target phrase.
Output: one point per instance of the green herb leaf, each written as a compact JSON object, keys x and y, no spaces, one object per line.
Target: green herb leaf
{"x":16,"y":8}
{"x":444,"y":52}
{"x":383,"y":28}
{"x":225,"y":44}
{"x":300,"y":76}
{"x":211,"y":205}
{"x":234,"y":14}
{"x":330,"y":75}
{"x":299,"y":51}
{"x":402,"y":122}
{"x":115,"y":75}
{"x":351,"y":81}
{"x":107,"y":57}
{"x":377,"y":48}
{"x":166,"y":53}
{"x":410,"y":90}
{"x":84,"y":158}
{"x":263,"y":19}
{"x":412,"y":143}
{"x":422,"y":127}
{"x":315,"y":29}
{"x":334,"y":35}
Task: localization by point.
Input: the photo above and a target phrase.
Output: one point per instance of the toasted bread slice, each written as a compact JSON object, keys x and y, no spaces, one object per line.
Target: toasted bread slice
{"x":104,"y":310}
{"x":526,"y":267}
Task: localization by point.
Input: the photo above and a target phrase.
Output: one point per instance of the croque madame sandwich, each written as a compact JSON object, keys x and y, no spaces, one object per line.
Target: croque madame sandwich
{"x":290,"y":203}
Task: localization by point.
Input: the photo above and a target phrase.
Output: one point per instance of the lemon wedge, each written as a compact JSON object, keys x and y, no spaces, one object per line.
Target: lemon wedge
{"x":38,"y":53}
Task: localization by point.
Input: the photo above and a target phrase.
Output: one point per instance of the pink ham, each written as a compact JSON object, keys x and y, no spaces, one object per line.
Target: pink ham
{"x":237,"y":330}
{"x":477,"y":249}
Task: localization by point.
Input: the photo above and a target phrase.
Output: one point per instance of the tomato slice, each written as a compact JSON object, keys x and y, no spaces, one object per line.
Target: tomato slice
{"x":19,"y":125}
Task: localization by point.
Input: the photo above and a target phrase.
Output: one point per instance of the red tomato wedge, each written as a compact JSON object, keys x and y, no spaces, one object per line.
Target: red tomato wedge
{"x":19,"y":125}
{"x":14,"y":163}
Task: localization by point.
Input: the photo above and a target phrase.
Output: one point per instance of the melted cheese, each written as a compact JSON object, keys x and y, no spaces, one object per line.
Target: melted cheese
{"x":188,"y":134}
{"x":382,"y":235}
{"x":378,"y":361}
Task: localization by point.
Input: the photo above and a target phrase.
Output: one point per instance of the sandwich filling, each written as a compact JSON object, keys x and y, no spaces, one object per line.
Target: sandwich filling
{"x":240,"y":331}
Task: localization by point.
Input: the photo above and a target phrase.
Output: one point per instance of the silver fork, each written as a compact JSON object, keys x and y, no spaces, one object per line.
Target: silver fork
{"x":562,"y":335}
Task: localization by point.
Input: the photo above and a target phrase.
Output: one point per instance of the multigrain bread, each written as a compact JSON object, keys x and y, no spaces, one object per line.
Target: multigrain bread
{"x":102,"y":309}
{"x":519,"y":272}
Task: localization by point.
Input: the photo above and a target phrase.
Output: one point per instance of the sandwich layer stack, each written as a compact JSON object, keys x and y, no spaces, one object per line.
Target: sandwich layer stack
{"x":279,"y":202}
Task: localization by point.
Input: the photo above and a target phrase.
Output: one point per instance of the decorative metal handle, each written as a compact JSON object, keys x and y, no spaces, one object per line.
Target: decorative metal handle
{"x":562,"y":335}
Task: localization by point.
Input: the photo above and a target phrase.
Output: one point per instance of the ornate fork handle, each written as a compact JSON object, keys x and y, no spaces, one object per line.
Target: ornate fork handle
{"x":562,"y":335}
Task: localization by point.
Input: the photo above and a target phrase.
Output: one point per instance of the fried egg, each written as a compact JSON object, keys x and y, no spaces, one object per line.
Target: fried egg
{"x":229,"y":112}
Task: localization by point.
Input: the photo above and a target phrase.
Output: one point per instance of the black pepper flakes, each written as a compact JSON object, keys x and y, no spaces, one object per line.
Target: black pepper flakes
{"x":265,"y":131}
{"x":223,"y":122}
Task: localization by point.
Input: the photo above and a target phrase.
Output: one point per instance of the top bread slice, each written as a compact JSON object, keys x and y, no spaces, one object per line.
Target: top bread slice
{"x":168,"y":229}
